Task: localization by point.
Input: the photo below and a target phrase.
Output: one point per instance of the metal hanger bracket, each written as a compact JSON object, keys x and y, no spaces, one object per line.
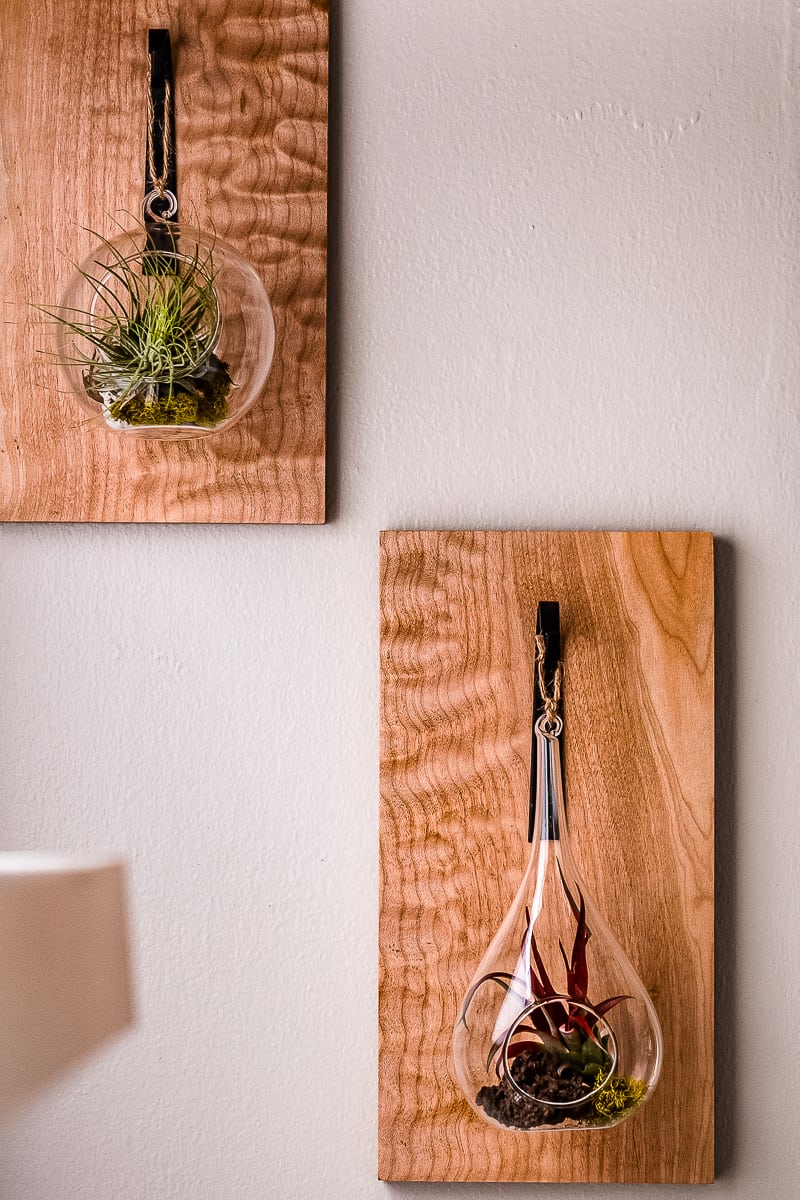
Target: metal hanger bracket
{"x":160,"y":172}
{"x":548,"y":624}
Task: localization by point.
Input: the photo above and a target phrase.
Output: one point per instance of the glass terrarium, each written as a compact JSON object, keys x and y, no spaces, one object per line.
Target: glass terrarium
{"x":168,"y":336}
{"x":556,"y":1030}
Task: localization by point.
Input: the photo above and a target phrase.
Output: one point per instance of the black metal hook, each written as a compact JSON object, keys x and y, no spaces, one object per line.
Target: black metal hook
{"x":161,"y":191}
{"x":548,"y":624}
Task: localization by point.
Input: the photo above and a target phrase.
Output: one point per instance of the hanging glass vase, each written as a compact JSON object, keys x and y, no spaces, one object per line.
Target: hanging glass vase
{"x":164,"y":331}
{"x":556,"y":1030}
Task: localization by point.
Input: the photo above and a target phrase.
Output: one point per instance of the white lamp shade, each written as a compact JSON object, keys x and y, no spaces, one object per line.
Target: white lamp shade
{"x":64,"y":966}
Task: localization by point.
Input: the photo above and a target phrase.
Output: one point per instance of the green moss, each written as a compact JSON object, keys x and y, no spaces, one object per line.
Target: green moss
{"x":620,"y":1095}
{"x":161,"y":407}
{"x":198,"y":399}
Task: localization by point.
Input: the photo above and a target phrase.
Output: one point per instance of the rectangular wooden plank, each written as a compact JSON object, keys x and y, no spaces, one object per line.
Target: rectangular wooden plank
{"x":457,"y":621}
{"x":251,"y":107}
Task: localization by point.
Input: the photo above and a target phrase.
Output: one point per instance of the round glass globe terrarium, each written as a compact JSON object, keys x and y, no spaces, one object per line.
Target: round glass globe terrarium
{"x":168,"y":336}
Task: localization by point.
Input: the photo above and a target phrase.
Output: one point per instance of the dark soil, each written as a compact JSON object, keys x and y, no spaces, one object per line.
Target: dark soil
{"x":536,"y":1073}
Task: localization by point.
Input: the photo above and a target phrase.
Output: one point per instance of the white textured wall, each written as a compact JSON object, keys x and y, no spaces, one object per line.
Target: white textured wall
{"x":563,"y":294}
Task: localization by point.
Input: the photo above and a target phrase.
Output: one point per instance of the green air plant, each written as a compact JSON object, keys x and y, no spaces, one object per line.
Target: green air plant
{"x":145,"y":345}
{"x":560,"y":1050}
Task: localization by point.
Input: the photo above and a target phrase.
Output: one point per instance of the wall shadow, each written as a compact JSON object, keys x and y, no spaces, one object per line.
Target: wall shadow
{"x":334,"y":286}
{"x":725,"y":865}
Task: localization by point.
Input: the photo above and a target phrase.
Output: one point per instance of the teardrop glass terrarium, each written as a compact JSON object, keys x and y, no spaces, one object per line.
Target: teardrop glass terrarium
{"x":165,"y":332}
{"x":556,"y":1030}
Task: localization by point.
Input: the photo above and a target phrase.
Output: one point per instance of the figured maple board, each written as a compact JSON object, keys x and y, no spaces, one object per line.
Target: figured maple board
{"x":251,"y":107}
{"x":458,"y":614}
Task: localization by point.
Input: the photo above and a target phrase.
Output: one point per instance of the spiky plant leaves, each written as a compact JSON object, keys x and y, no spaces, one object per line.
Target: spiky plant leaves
{"x":503,"y":979}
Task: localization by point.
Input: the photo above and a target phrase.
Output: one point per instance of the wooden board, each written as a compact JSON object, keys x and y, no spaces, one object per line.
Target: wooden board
{"x":457,"y":620}
{"x":251,"y":103}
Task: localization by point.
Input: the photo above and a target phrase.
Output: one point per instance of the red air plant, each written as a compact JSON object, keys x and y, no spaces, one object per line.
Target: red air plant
{"x":570,"y":1031}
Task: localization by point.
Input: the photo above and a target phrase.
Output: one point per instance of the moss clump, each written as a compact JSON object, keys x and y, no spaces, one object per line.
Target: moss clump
{"x":159,"y":407}
{"x":619,"y":1096}
{"x":198,"y":399}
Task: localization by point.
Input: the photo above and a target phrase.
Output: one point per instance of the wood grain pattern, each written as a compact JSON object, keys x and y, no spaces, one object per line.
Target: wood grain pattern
{"x":251,"y":83}
{"x":457,"y":620}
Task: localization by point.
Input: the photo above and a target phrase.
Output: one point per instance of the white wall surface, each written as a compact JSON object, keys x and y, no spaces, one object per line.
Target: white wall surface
{"x":564,"y":294}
